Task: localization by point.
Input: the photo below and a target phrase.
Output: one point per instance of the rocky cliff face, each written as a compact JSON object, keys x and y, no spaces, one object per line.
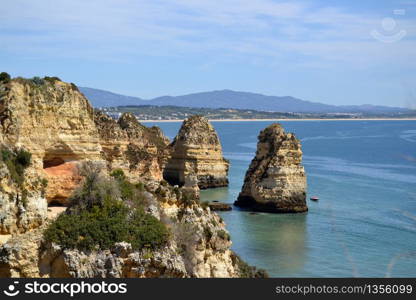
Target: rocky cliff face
{"x":139,"y":151}
{"x":52,"y":120}
{"x":22,"y":198}
{"x":275,"y":180}
{"x":196,"y":150}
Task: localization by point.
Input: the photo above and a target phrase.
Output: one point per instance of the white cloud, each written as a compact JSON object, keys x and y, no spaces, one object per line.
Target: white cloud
{"x":234,"y":29}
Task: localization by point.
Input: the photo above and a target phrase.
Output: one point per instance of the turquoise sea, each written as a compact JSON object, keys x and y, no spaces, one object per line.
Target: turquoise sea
{"x":364,"y":173}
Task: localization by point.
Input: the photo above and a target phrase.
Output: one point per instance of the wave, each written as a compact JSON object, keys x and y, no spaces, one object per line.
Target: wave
{"x":342,"y":136}
{"x":408,"y":135}
{"x":248,"y":145}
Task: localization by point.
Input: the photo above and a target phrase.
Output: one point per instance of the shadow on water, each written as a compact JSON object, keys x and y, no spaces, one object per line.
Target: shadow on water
{"x":275,"y":242}
{"x":217,"y":194}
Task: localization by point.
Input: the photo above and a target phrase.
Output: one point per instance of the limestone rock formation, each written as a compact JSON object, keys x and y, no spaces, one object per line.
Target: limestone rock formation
{"x":54,"y":121}
{"x":22,"y":199}
{"x":20,"y":255}
{"x":139,"y":151}
{"x":196,"y":151}
{"x":275,"y":180}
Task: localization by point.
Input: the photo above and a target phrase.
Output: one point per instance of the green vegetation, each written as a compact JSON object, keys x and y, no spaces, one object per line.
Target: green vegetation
{"x":4,"y":77}
{"x":208,"y":233}
{"x":43,"y":184}
{"x":74,"y":87}
{"x":37,"y":80}
{"x":16,"y":163}
{"x":23,"y":158}
{"x":247,"y":271}
{"x":129,"y":192}
{"x":51,"y":79}
{"x":102,"y":226}
{"x":223,"y":235}
{"x":106,"y":211}
{"x":118,"y":174}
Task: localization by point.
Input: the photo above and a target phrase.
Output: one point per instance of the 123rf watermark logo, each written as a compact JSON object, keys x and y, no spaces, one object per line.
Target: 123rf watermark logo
{"x":390,"y":31}
{"x":11,"y":290}
{"x":71,"y":289}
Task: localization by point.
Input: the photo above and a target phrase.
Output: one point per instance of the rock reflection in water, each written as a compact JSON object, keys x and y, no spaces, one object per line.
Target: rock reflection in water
{"x":280,"y":238}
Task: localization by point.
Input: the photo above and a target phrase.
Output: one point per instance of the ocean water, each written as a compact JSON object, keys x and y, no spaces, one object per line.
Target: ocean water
{"x":364,"y":224}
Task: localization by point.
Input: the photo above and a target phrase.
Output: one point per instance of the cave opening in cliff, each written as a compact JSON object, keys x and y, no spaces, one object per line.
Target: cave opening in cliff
{"x":52,"y":162}
{"x":57,"y":202}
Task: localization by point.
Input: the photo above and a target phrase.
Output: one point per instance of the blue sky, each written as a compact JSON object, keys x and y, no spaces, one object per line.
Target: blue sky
{"x":327,"y":51}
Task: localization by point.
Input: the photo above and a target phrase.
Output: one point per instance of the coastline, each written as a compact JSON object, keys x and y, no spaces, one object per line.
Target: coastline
{"x":283,"y":120}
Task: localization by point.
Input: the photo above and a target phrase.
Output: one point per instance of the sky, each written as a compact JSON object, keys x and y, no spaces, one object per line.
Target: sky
{"x":335,"y":52}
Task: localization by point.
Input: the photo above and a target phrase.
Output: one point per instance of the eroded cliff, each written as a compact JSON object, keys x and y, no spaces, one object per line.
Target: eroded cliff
{"x":54,"y":122}
{"x":139,"y":151}
{"x":197,"y":151}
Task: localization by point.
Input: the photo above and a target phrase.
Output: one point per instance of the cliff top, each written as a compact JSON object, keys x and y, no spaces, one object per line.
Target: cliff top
{"x":275,"y":132}
{"x":197,"y":130}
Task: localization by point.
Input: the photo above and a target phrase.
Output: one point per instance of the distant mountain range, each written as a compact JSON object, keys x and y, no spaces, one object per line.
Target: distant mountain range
{"x":235,"y":100}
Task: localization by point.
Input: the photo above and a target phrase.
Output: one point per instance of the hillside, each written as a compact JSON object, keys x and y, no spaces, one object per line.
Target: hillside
{"x":234,"y":100}
{"x":100,"y":98}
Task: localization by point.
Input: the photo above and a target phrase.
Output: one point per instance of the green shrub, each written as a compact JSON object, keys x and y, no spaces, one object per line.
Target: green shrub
{"x":132,"y":193}
{"x":118,"y":174}
{"x":103,"y":212}
{"x":187,"y":200}
{"x":223,"y":235}
{"x":24,"y":197}
{"x":74,"y":87}
{"x":23,"y":158}
{"x":208,"y":233}
{"x":140,"y":186}
{"x":103,"y":226}
{"x":95,"y":189}
{"x":51,"y":79}
{"x":5,"y":154}
{"x":4,"y":77}
{"x":44,"y":185}
{"x":177,"y":192}
{"x":247,"y":271}
{"x":16,"y":163}
{"x":37,"y":80}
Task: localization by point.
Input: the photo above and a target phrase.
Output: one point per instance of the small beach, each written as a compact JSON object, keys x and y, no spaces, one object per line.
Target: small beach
{"x":281,"y":120}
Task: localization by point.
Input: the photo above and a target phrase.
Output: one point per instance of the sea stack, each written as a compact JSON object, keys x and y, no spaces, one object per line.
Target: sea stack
{"x":275,"y":181}
{"x":196,"y":150}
